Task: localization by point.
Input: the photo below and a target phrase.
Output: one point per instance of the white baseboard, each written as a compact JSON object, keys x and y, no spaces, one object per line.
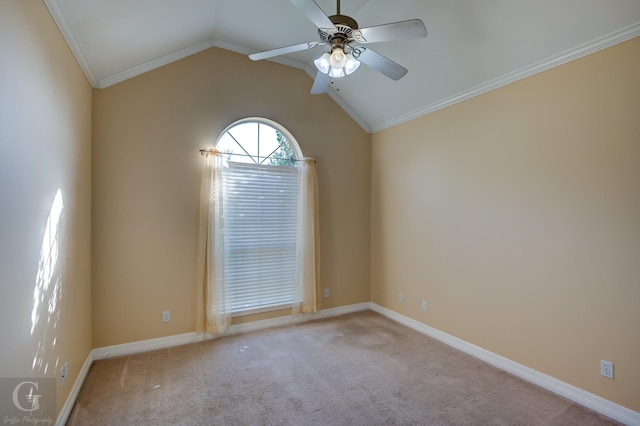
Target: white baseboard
{"x":343,"y":310}
{"x":145,"y":345}
{"x":182,"y":339}
{"x":75,"y":390}
{"x":577,"y":395}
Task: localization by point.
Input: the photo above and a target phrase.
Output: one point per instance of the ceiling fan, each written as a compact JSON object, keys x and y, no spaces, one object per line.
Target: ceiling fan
{"x":346,"y":42}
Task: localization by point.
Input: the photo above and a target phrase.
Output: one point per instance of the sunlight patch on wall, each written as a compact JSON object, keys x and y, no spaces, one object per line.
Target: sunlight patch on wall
{"x":47,"y":292}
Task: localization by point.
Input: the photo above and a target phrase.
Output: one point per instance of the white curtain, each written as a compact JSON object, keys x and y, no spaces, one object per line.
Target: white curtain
{"x":308,"y":253}
{"x":214,"y":314}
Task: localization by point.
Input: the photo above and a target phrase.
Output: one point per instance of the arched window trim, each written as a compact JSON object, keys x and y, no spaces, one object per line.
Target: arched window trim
{"x":261,"y":120}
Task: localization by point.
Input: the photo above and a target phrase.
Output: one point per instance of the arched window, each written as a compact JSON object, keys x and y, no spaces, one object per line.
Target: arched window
{"x":259,"y":141}
{"x":260,"y":220}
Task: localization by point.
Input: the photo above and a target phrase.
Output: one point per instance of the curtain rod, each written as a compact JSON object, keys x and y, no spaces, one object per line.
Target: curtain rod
{"x":204,"y":151}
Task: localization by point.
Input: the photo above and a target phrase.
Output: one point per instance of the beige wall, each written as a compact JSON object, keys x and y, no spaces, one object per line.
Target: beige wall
{"x":516,"y":215}
{"x":147,"y":132}
{"x":45,"y":147}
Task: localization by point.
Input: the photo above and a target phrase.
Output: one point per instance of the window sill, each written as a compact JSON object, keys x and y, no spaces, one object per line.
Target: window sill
{"x":261,"y":309}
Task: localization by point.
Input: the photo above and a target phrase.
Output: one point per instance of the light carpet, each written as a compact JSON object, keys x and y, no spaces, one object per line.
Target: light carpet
{"x":356,"y":369}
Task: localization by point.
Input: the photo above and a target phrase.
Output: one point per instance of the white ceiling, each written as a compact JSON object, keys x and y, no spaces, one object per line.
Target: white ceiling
{"x":473,"y":45}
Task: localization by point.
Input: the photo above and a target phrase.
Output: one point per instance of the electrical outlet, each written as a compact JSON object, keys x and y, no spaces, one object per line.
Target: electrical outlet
{"x":63,"y":373}
{"x":424,"y":305}
{"x":166,"y":316}
{"x":606,"y":369}
{"x":326,"y":292}
{"x":401,"y":297}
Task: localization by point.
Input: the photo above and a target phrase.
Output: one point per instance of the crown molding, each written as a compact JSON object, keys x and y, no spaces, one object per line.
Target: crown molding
{"x":609,"y":40}
{"x":60,"y":18}
{"x":156,"y":63}
{"x":61,"y":21}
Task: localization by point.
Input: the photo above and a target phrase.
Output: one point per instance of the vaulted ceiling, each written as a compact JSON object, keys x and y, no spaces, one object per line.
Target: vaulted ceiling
{"x":472,"y":46}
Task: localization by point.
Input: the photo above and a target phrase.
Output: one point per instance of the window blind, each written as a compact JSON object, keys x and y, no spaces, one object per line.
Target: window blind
{"x":260,"y":216}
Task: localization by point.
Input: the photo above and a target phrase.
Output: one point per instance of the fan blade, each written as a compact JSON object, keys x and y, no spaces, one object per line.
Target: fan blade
{"x":380,"y":63}
{"x":284,"y":50}
{"x":320,"y":84}
{"x":403,"y":30}
{"x":312,"y":11}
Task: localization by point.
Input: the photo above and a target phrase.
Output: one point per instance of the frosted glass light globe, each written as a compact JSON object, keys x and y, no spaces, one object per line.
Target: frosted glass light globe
{"x":338,"y":58}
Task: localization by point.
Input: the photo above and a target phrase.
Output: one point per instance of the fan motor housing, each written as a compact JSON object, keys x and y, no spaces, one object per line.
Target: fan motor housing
{"x":345,"y":25}
{"x":345,"y":20}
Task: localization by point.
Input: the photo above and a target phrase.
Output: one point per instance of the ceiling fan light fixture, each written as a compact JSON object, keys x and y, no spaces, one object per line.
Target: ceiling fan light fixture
{"x":351,"y":65}
{"x":338,"y":58}
{"x":337,"y":64}
{"x":336,"y":72}
{"x":323,"y":64}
